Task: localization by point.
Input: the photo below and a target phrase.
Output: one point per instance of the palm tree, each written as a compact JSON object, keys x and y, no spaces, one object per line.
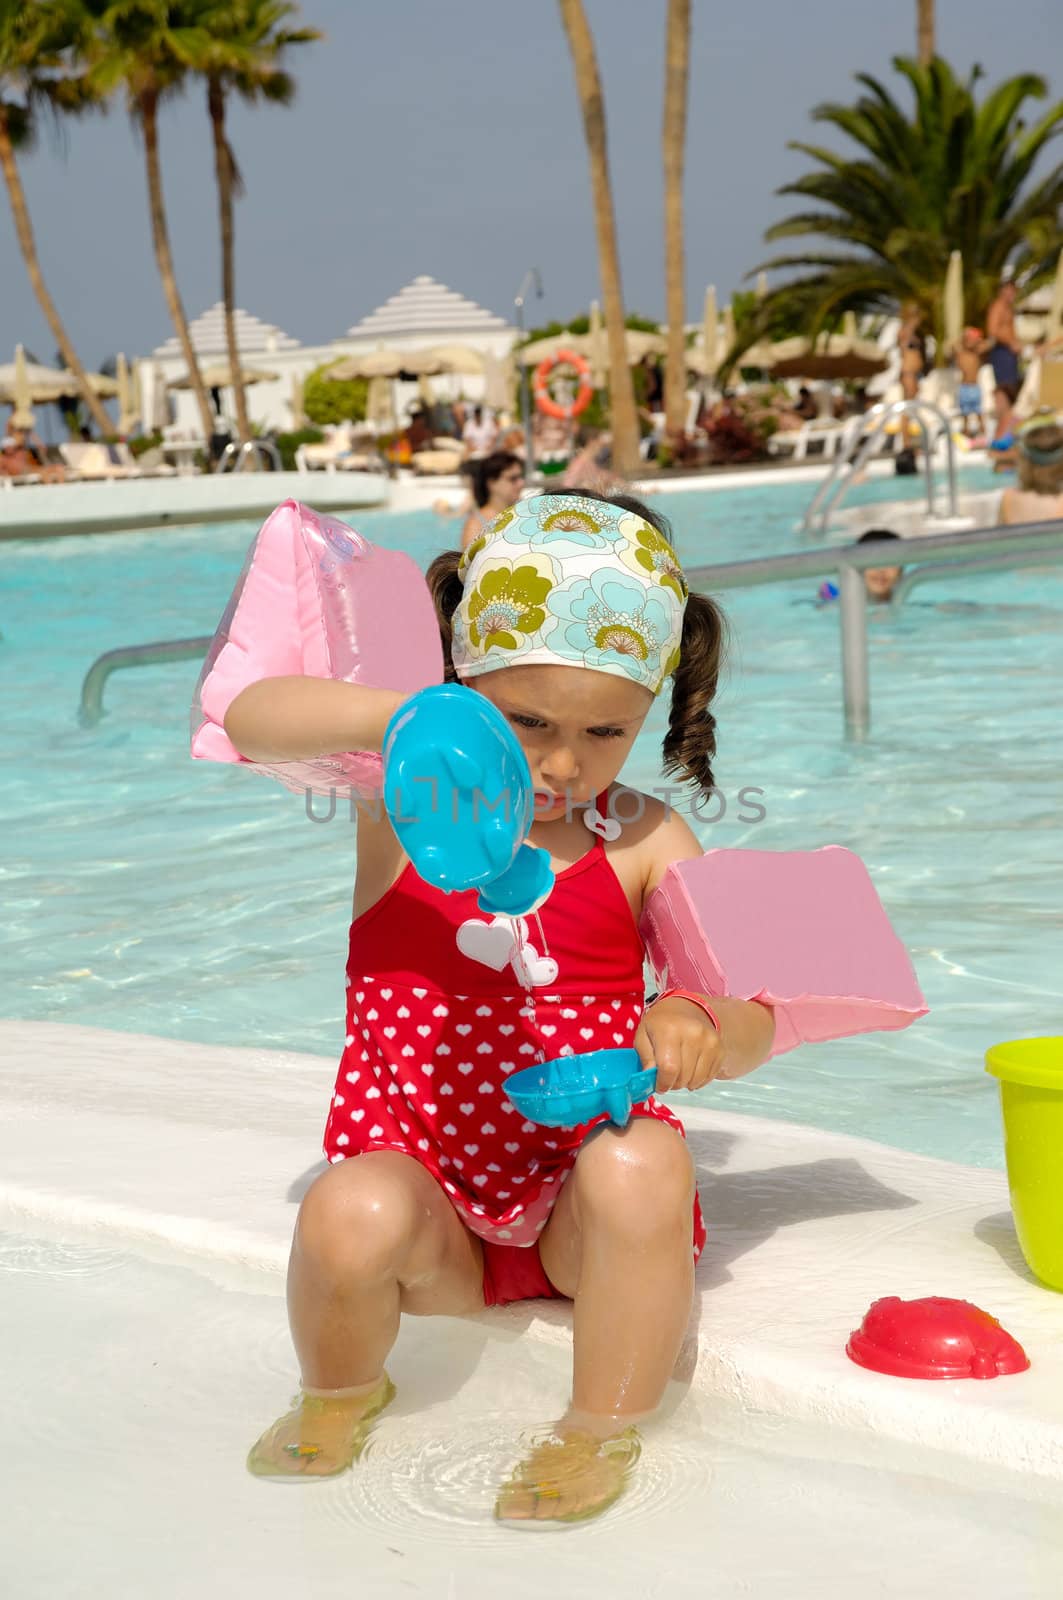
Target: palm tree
{"x":925,"y":31}
{"x":247,"y":39}
{"x":952,"y":174}
{"x":149,"y":47}
{"x":32,"y":41}
{"x":676,"y":81}
{"x":623,"y":417}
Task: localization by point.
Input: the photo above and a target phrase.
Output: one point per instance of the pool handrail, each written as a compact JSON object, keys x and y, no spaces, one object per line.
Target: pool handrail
{"x":834,"y":486}
{"x":1015,"y":546}
{"x":932,"y":570}
{"x":235,"y":454}
{"x":131,"y":655}
{"x":847,"y":562}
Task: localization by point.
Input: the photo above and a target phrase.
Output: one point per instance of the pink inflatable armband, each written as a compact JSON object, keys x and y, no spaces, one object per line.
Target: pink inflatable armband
{"x":802,"y":931}
{"x":316,"y":599}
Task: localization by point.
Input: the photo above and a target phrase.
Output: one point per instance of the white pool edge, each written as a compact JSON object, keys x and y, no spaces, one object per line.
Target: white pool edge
{"x":190,"y":1153}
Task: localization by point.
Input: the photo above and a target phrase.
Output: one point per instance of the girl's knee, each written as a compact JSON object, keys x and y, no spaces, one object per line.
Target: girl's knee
{"x":361,"y":1215}
{"x":639,"y":1177}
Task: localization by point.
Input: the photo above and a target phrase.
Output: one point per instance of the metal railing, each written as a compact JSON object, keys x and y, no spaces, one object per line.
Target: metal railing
{"x":1013,"y":546}
{"x":833,"y":488}
{"x":133,"y":655}
{"x":931,"y":571}
{"x":929,"y":557}
{"x":234,"y":455}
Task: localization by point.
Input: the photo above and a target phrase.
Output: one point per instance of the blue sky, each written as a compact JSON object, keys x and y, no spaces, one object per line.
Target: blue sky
{"x":445,"y":138}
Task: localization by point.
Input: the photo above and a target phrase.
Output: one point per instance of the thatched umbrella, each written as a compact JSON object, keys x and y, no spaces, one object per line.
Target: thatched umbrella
{"x":833,"y":356}
{"x":499,"y":383}
{"x":45,"y":384}
{"x":380,"y":406}
{"x":383,"y":363}
{"x":638,"y":345}
{"x":128,"y":416}
{"x":22,"y":413}
{"x":952,"y":310}
{"x":461,"y":358}
{"x":220,"y":376}
{"x":136,"y":392}
{"x":710,"y":332}
{"x":160,"y":405}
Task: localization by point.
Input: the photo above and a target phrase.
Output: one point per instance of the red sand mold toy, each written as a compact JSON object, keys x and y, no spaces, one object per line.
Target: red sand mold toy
{"x":934,"y":1338}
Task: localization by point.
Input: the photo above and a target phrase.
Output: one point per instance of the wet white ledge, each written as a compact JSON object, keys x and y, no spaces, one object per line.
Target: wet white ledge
{"x":202,"y":1153}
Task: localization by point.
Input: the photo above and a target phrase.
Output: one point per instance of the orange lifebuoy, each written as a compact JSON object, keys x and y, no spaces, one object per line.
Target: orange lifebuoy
{"x":545,"y":401}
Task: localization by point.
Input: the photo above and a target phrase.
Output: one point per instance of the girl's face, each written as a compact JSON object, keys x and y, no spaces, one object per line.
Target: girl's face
{"x":576,"y":727}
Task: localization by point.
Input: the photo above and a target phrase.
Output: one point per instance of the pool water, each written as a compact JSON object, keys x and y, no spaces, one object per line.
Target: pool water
{"x":147,"y":893}
{"x":141,"y":1385}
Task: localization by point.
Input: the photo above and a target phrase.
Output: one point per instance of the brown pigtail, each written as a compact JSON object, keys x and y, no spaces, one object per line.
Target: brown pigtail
{"x":690,"y":743}
{"x":445,"y":587}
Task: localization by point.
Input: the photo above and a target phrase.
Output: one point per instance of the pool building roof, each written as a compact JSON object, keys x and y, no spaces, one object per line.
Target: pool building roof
{"x":425,"y":307}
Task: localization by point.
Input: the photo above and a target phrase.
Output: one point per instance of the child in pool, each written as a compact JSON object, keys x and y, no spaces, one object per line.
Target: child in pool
{"x":570,"y":613}
{"x":879,"y":582}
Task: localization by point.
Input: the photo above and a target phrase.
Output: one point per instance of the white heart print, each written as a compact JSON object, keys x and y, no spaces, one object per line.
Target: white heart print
{"x":605,"y":827}
{"x":504,"y":941}
{"x":490,"y":943}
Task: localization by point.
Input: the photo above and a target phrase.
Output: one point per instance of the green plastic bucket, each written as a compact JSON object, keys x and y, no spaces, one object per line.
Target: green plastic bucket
{"x":1030,"y":1073}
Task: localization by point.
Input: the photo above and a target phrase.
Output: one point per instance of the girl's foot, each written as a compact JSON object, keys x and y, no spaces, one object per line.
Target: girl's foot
{"x":569,"y":1477}
{"x":322,"y":1435}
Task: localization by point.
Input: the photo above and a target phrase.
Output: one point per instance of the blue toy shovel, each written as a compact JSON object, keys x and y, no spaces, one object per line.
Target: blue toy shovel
{"x":575,"y":1089}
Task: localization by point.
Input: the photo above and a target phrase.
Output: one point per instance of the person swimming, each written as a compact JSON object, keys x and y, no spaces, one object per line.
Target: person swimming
{"x":879,"y":582}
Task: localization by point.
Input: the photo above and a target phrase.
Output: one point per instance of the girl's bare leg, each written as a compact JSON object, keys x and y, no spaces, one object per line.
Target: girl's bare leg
{"x":620,"y":1242}
{"x":375,"y":1236}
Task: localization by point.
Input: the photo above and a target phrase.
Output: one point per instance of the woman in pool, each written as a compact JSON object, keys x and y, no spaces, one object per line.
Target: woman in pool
{"x":497,"y":484}
{"x":1039,"y":465}
{"x":570,"y":614}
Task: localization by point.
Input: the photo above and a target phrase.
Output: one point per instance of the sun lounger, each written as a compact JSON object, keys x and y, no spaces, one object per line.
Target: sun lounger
{"x":798,"y":442}
{"x":342,"y":450}
{"x":437,"y":462}
{"x":93,"y":461}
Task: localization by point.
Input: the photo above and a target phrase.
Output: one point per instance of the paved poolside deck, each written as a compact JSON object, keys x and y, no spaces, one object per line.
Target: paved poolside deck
{"x":196,"y":1152}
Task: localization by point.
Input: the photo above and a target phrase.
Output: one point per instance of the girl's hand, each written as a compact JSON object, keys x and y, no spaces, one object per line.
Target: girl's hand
{"x":677,"y":1038}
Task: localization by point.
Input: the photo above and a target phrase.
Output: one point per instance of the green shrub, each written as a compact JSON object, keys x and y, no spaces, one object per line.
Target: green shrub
{"x":325,"y":401}
{"x":288,"y":444}
{"x":144,"y":442}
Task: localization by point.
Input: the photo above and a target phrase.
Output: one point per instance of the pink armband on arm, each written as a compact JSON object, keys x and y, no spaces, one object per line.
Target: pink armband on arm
{"x":802,"y":932}
{"x":316,"y":599}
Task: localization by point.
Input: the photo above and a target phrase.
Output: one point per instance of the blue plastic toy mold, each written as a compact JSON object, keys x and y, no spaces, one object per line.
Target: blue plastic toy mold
{"x":576,"y":1089}
{"x":459,"y":794}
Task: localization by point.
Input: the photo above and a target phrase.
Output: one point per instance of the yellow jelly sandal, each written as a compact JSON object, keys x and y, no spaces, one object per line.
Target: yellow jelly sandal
{"x":324,"y":1433}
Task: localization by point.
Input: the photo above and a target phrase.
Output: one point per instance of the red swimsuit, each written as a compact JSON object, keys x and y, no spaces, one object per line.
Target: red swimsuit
{"x":437,"y":1018}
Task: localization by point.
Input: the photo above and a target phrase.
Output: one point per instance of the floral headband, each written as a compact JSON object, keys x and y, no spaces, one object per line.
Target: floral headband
{"x":572,"y":582}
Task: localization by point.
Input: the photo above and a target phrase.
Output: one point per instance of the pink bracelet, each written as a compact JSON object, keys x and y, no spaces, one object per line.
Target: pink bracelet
{"x":695,"y":999}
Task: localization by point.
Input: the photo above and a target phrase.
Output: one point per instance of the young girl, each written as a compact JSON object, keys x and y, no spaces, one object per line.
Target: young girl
{"x":569,"y":614}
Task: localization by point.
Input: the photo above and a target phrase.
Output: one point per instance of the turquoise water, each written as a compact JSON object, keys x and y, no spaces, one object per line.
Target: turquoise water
{"x":147,"y":893}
